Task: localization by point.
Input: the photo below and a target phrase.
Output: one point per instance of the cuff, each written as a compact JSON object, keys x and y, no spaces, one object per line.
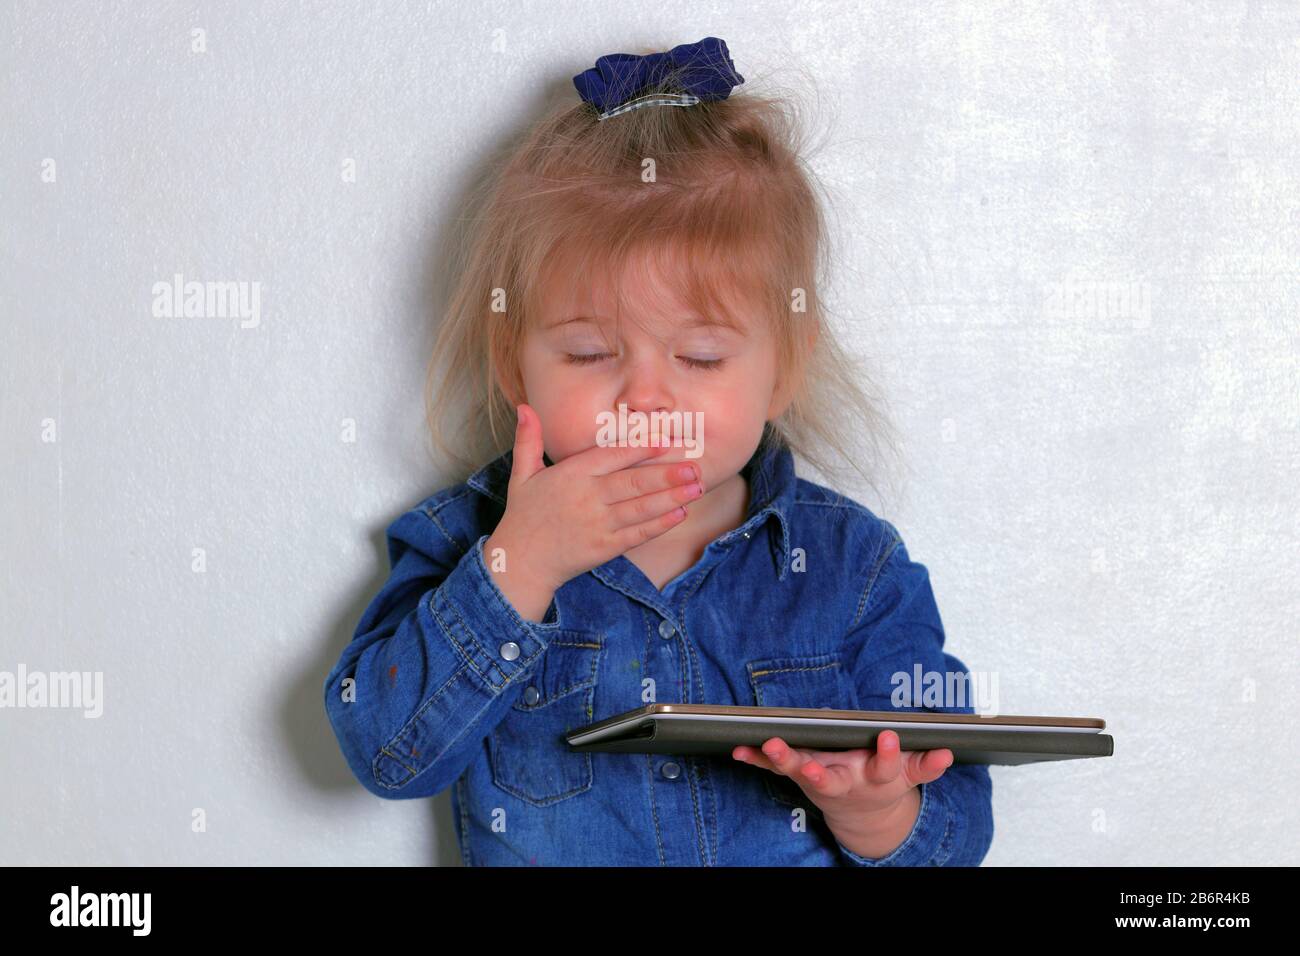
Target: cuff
{"x":923,"y":845}
{"x":470,"y":594}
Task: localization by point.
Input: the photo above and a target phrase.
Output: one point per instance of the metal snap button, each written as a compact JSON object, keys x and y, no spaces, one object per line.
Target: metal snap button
{"x":666,"y":629}
{"x":510,"y":650}
{"x":671,"y":770}
{"x":531,"y":695}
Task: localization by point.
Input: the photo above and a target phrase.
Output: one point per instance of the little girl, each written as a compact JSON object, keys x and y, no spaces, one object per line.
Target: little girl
{"x":574,"y":577}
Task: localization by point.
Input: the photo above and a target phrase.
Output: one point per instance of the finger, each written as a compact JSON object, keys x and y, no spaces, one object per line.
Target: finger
{"x":527,"y":457}
{"x":604,"y":459}
{"x":784,"y":758}
{"x":759,"y":757}
{"x":822,"y":779}
{"x":637,"y":510}
{"x":754,"y":756}
{"x":633,"y":535}
{"x":887,"y":763}
{"x":631,"y":483}
{"x":835,"y":758}
{"x":926,"y":766}
{"x":795,"y":763}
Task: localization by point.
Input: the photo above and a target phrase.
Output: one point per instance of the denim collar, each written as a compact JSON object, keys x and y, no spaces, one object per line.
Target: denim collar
{"x":772,"y":481}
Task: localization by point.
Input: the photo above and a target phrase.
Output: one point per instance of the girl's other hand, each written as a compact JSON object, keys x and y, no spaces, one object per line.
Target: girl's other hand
{"x":850,"y":786}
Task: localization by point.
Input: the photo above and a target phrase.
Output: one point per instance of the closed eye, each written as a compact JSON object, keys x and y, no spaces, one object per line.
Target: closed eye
{"x":704,"y":364}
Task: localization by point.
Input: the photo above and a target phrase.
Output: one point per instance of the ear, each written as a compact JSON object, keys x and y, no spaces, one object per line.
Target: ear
{"x":510,"y":389}
{"x":781,"y":399}
{"x":784,"y":392}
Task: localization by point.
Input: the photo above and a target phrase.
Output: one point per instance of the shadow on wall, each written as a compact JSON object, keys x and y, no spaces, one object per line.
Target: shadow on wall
{"x":302,"y":716}
{"x":308,"y":729}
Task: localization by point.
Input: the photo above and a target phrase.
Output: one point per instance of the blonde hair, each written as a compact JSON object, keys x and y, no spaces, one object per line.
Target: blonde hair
{"x":729,"y":203}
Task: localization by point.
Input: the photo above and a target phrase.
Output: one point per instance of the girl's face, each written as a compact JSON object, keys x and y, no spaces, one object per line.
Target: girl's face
{"x":661,"y":358}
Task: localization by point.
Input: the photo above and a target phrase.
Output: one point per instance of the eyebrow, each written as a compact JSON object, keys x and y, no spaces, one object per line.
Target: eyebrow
{"x":696,"y":322}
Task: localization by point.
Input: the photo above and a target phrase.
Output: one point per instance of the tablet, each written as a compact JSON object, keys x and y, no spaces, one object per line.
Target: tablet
{"x":716,"y":729}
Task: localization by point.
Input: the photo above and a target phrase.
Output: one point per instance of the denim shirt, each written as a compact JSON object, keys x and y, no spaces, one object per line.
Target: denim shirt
{"x":812,"y":602}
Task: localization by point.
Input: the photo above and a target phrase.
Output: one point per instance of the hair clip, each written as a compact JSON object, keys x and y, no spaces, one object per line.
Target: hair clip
{"x":652,"y":99}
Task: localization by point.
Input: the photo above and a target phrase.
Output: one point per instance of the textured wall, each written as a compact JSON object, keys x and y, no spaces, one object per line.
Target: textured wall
{"x":1069,"y":240}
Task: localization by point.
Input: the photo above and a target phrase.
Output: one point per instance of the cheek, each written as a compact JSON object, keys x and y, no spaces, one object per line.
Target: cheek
{"x":568,"y":424}
{"x":729,"y":404}
{"x":565,"y":435}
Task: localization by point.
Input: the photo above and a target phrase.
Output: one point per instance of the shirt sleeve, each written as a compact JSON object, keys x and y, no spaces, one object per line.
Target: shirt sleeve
{"x":898,"y":631}
{"x":435,"y":663}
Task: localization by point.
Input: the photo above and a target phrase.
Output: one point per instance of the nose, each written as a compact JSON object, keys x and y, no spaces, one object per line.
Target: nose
{"x":645,"y":390}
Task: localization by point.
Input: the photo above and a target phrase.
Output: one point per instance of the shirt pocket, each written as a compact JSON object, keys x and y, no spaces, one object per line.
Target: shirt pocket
{"x":813,"y":681}
{"x":528,"y":753}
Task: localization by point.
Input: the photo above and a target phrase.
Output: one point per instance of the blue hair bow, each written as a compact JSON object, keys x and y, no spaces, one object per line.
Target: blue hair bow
{"x":703,"y":70}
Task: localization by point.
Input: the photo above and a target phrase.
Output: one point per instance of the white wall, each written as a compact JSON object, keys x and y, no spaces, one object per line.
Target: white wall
{"x":1107,"y":503}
